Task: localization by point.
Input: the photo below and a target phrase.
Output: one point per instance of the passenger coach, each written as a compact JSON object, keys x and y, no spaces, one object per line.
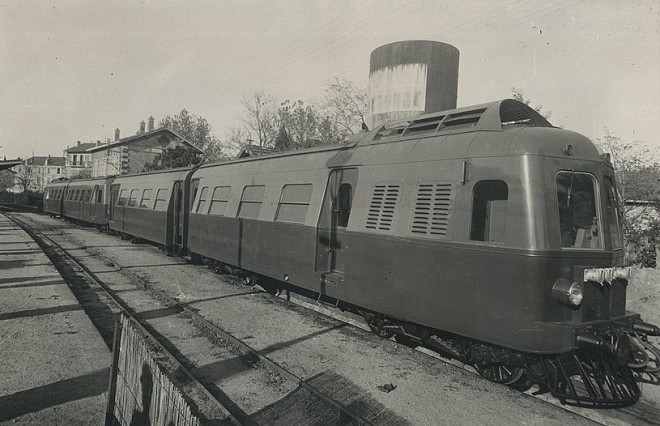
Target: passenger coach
{"x":152,"y":206}
{"x":87,"y":200}
{"x":53,"y":194}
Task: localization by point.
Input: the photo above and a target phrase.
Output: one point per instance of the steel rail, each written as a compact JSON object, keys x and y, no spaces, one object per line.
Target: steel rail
{"x":204,"y":323}
{"x":237,"y":416}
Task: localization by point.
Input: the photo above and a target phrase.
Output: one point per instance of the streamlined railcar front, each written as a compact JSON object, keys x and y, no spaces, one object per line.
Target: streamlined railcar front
{"x":610,"y":349}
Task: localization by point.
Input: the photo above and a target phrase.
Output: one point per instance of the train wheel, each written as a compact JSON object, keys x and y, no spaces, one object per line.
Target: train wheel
{"x":249,"y":280}
{"x":500,"y":373}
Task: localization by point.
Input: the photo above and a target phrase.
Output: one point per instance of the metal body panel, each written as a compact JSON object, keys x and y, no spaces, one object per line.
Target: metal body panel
{"x":153,"y":223}
{"x":498,"y":289}
{"x":93,"y":210}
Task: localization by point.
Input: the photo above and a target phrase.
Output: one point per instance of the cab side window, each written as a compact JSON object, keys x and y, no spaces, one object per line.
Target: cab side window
{"x":344,"y":201}
{"x":489,"y":211}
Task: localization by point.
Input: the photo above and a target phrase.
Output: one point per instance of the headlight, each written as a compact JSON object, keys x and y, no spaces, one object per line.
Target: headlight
{"x":567,"y":293}
{"x":575,"y":294}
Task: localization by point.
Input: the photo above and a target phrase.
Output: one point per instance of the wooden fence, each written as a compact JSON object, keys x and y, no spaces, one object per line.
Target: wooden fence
{"x":140,"y":393}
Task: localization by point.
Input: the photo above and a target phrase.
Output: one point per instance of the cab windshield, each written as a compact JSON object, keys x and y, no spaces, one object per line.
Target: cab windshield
{"x":578,"y":211}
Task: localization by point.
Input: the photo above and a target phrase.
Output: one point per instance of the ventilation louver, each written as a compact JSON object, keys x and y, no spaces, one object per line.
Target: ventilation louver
{"x":514,"y":112}
{"x":422,"y":126}
{"x":462,"y":120}
{"x":383,"y":204}
{"x":432,"y":208}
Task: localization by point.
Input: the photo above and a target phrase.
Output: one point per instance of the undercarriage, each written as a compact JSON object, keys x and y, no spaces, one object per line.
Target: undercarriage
{"x":602,"y":372}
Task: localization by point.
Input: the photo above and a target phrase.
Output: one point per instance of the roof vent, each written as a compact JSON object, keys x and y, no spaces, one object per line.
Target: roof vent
{"x":462,"y":120}
{"x":514,"y":112}
{"x":422,"y":126}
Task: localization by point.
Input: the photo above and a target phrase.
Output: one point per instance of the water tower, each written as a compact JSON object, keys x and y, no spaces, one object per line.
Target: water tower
{"x":408,"y":78}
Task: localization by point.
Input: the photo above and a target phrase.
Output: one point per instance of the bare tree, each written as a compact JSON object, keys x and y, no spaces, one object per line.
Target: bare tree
{"x":26,"y":177}
{"x":638,"y":175}
{"x":637,"y":171}
{"x":235,"y":140}
{"x":260,"y":118}
{"x":345,"y":104}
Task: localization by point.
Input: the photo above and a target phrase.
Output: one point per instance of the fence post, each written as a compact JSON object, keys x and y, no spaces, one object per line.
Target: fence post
{"x":114,"y":367}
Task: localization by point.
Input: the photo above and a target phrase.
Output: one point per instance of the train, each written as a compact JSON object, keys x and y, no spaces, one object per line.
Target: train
{"x":483,"y":233}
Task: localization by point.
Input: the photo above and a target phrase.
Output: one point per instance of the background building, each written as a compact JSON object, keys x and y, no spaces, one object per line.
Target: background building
{"x":130,"y":154}
{"x":78,"y":159}
{"x":35,"y":173}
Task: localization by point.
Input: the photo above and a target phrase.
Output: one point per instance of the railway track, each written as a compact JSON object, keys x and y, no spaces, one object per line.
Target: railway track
{"x":642,"y":413}
{"x":213,"y":403}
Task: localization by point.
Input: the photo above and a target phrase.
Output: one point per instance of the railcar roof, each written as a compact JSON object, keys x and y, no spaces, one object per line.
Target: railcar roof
{"x":504,"y":127}
{"x":76,"y":182}
{"x":493,"y":116}
{"x":154,"y":175}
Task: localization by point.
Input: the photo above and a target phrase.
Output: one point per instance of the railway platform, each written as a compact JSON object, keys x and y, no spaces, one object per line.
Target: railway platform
{"x":54,"y":365}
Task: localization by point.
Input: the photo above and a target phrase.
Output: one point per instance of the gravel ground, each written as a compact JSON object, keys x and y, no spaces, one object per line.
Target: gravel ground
{"x":53,"y":363}
{"x":411,"y":386}
{"x":393,"y":381}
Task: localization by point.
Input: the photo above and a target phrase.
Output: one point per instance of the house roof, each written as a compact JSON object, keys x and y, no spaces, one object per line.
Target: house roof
{"x":45,"y":161}
{"x":254,"y":151}
{"x":83,"y":147}
{"x":7,"y":164}
{"x":146,"y":135}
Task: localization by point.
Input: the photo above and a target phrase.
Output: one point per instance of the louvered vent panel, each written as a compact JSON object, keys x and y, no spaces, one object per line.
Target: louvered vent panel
{"x":432,"y":205}
{"x":383,"y":204}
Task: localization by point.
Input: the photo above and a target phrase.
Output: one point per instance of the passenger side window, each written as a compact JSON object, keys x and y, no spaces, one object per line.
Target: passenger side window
{"x":219,"y":200}
{"x":489,"y":211}
{"x":145,"y":202}
{"x":132,"y":199}
{"x":294,"y":203}
{"x":121,"y":201}
{"x":161,"y":200}
{"x":202,"y":200}
{"x":99,"y":196}
{"x":251,"y":201}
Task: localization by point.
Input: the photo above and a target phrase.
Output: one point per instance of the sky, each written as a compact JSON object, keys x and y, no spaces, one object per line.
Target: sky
{"x":77,"y":69}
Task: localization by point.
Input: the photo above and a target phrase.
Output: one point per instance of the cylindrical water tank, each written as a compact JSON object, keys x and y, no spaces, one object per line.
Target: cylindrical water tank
{"x":408,"y":78}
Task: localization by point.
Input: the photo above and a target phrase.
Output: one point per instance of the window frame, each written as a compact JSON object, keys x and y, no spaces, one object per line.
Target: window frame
{"x":132,"y":198}
{"x":250,"y":202}
{"x":121,"y":201}
{"x":201,"y":200}
{"x":141,"y":204}
{"x":157,"y":199}
{"x":286,"y":203}
{"x":597,"y":200}
{"x":225,"y":202}
{"x":484,"y":213}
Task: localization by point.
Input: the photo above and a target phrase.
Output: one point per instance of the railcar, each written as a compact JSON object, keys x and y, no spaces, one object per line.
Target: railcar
{"x":87,"y":200}
{"x":152,"y":206}
{"x":53,"y":194}
{"x":483,"y":232}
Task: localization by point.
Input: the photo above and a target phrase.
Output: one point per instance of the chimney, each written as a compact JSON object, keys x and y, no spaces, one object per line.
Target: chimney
{"x":142,"y":125}
{"x":150,"y":128}
{"x":78,"y":143}
{"x":117,"y":134}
